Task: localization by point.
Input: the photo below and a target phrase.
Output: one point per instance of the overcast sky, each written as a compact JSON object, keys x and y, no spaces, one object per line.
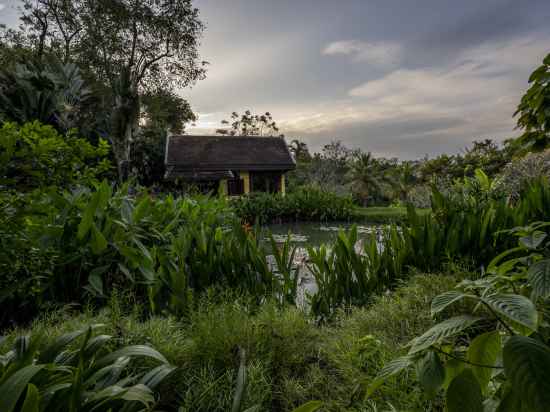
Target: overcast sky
{"x":397,"y":77}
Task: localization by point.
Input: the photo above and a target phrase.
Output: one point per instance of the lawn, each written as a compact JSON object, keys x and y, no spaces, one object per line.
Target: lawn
{"x":385,"y":214}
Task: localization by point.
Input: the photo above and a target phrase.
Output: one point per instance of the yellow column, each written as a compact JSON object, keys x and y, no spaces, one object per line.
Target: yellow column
{"x":223,"y":187}
{"x":246,"y":181}
{"x":283,"y":187}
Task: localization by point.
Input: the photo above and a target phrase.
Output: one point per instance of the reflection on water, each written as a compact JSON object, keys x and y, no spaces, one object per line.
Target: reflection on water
{"x":315,"y":234}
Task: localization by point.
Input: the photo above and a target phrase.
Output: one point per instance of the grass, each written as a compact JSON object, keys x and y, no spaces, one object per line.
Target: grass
{"x":290,"y":359}
{"x":385,"y":214}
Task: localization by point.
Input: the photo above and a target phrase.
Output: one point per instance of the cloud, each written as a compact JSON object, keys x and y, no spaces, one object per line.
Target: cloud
{"x":413,"y":111}
{"x":2,"y":6}
{"x":380,"y":53}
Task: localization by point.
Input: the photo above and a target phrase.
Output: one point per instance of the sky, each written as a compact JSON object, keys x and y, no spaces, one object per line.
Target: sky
{"x":399,"y":78}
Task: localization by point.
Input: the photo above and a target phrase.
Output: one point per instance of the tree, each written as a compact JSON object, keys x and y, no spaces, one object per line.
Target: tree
{"x":534,"y":110}
{"x":132,"y":46}
{"x":405,"y":179}
{"x":162,"y":111}
{"x":249,"y":124}
{"x":300,"y":151}
{"x":369,"y":176}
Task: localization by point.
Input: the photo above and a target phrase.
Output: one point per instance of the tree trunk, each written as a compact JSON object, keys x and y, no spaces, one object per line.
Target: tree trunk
{"x":125,"y":123}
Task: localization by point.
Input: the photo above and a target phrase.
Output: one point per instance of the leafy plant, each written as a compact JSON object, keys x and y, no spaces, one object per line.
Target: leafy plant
{"x":78,"y":372}
{"x":498,"y":354}
{"x":36,"y":156}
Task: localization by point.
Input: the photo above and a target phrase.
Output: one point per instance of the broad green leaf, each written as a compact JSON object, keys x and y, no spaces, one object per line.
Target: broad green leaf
{"x":11,"y":390}
{"x":138,"y":393}
{"x":484,"y":350}
{"x":445,"y":329}
{"x":390,"y":369}
{"x":154,"y":377}
{"x":50,"y":352}
{"x":527,"y":365}
{"x":430,"y":372}
{"x":533,"y":240}
{"x":96,"y":283}
{"x":539,"y":278}
{"x":32,"y":400}
{"x":517,"y":308}
{"x":88,"y":216}
{"x":131,"y":351}
{"x":311,"y":406}
{"x":464,"y":393}
{"x":98,"y":241}
{"x":453,"y":367}
{"x":445,"y":299}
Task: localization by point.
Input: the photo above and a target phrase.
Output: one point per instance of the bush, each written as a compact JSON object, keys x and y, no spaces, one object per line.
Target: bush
{"x":35,"y":156}
{"x":308,"y":204}
{"x":519,"y":171}
{"x":80,"y":246}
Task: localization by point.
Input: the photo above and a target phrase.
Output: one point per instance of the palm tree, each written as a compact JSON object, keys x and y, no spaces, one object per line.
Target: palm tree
{"x":404,"y":180}
{"x":366,"y":176}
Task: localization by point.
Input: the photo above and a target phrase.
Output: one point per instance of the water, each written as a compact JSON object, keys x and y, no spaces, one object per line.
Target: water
{"x":314,"y":233}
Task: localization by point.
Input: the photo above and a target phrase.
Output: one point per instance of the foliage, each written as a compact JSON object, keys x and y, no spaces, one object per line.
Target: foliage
{"x":300,"y":151}
{"x":83,"y":245}
{"x":76,"y":372}
{"x":516,"y":173}
{"x":533,"y":109}
{"x":289,"y":360}
{"x":368,"y":177}
{"x":37,"y":156}
{"x":131,"y":47}
{"x":308,"y":204}
{"x":502,"y":361}
{"x":51,"y":93}
{"x":249,"y":124}
{"x":462,"y":225}
{"x":163,"y":111}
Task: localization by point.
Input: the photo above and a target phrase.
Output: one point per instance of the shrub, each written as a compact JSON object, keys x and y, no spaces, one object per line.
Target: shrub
{"x":519,"y":171}
{"x":35,"y":156}
{"x":309,"y":204}
{"x":82,"y":245}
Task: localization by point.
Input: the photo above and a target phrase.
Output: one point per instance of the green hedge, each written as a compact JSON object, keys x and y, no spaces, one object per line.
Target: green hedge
{"x":308,"y":204}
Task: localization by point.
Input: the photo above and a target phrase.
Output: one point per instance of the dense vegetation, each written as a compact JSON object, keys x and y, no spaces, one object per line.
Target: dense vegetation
{"x":116,"y":294}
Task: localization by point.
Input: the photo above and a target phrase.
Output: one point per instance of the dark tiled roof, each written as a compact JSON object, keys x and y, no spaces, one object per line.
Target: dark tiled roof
{"x":194,"y":175}
{"x":219,"y":153}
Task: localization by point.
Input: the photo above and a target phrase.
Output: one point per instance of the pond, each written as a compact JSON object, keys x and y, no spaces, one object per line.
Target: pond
{"x":315,"y":233}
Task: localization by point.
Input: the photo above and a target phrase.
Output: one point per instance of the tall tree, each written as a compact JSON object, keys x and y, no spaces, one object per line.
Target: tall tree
{"x":249,"y":124}
{"x":132,"y":46}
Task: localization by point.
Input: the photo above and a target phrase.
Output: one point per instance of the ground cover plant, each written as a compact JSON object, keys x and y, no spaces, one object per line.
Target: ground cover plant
{"x":290,"y":361}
